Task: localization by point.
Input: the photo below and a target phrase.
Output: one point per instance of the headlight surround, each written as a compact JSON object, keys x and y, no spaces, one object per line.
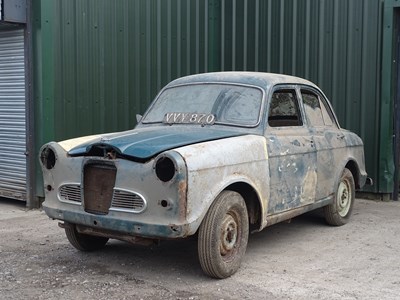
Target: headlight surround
{"x":170,"y":167}
{"x":165,"y":168}
{"x":48,"y":157}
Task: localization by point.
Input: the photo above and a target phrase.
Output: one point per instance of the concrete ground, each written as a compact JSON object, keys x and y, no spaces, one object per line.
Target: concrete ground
{"x":304,"y":259}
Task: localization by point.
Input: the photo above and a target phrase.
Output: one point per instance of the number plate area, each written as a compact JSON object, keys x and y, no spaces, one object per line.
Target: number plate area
{"x":98,"y":185}
{"x":189,"y":118}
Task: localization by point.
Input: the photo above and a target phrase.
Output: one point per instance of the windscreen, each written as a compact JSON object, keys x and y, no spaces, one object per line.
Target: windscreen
{"x":207,"y":104}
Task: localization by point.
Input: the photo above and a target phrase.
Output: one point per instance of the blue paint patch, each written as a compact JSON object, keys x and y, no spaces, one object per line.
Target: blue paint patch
{"x":296,"y":143}
{"x":145,"y":143}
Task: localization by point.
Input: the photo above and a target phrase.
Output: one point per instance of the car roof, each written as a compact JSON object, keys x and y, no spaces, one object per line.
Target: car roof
{"x":262,"y":80}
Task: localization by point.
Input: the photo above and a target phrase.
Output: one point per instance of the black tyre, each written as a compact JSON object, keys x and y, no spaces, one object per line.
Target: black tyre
{"x":223,"y":235}
{"x":84,"y":242}
{"x":338,"y":213}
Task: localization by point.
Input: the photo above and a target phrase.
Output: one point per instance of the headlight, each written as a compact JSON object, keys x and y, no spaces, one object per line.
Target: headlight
{"x":165,"y":168}
{"x":48,"y":158}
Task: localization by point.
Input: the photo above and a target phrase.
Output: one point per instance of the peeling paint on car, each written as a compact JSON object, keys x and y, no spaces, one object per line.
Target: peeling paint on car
{"x":145,"y":143}
{"x":308,"y":188}
{"x":69,"y":144}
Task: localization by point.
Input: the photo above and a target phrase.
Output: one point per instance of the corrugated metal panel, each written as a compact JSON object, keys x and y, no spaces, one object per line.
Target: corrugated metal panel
{"x":111,"y":58}
{"x":12,"y":115}
{"x":388,"y":91}
{"x":335,"y":44}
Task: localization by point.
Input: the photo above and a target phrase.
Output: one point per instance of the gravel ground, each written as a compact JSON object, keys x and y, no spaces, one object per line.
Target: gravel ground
{"x":303,"y":259}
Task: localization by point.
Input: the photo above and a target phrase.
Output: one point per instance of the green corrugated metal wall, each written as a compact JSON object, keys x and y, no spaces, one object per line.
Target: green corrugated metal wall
{"x":112,"y":56}
{"x":336,"y":44}
{"x":104,"y":61}
{"x":108,"y":58}
{"x":388,"y":87}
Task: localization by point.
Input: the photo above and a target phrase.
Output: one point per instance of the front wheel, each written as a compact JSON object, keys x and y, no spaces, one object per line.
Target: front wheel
{"x":338,"y":213}
{"x":84,"y":242}
{"x":223,"y":235}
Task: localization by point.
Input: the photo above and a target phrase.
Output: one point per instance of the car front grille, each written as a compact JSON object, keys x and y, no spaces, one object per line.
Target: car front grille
{"x":70,"y":192}
{"x":128,"y":201}
{"x":98,"y":187}
{"x":122,"y":200}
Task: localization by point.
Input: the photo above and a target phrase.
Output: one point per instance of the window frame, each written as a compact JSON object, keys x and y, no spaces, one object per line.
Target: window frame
{"x":306,"y":91}
{"x":323,"y":101}
{"x":300,"y":109}
{"x":205,"y":83}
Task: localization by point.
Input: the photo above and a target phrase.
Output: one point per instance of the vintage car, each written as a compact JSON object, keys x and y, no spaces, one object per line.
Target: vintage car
{"x":215,"y":156}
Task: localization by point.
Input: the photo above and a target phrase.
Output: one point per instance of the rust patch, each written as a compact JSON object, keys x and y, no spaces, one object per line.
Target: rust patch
{"x":290,"y":214}
{"x":136,"y":240}
{"x":99,"y":181}
{"x":182,"y":193}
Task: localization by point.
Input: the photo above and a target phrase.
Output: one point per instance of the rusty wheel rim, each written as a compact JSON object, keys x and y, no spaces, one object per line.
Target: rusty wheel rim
{"x":229,"y":235}
{"x":343,"y":198}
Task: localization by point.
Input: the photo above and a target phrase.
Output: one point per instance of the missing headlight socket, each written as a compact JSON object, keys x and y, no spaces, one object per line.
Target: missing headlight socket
{"x":165,"y":169}
{"x":48,"y":158}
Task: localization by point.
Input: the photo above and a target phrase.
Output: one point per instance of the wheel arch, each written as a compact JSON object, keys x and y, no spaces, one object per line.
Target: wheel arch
{"x":355,"y":171}
{"x":253,"y":203}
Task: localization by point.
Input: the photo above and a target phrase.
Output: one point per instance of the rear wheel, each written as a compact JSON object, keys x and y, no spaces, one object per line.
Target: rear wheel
{"x":84,"y":242}
{"x":223,"y":235}
{"x":338,"y":213}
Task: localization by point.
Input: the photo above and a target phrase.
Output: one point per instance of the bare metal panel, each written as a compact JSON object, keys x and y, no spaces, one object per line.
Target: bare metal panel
{"x":12,"y":115}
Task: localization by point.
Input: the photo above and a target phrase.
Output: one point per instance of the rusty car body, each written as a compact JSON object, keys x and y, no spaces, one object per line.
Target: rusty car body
{"x":218,"y":154}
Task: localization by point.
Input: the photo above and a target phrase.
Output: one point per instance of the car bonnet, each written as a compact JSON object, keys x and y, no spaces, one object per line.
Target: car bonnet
{"x":145,"y":143}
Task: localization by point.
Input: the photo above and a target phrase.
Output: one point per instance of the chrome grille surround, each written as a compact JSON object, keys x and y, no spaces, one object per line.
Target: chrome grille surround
{"x":70,"y":193}
{"x":127,"y":201}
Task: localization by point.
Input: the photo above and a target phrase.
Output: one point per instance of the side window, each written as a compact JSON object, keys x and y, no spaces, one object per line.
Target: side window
{"x":284,"y":109}
{"x":312,"y":108}
{"x":327,"y":116}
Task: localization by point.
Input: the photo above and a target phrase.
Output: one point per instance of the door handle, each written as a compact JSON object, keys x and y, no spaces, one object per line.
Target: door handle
{"x":340,"y":136}
{"x":311,"y":141}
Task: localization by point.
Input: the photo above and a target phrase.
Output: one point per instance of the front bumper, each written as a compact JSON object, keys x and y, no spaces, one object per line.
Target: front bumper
{"x":122,"y":226}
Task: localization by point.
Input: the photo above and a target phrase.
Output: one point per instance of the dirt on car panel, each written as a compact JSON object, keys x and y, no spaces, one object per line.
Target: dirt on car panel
{"x":288,"y":215}
{"x":291,"y":193}
{"x":293,"y":172}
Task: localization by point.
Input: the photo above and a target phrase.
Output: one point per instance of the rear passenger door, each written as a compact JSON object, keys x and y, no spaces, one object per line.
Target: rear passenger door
{"x":291,"y":152}
{"x":327,"y":136}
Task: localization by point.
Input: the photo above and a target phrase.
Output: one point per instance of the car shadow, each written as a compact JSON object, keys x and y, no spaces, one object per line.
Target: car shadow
{"x":288,"y":230}
{"x":179,"y":258}
{"x":12,"y":203}
{"x":171,"y":258}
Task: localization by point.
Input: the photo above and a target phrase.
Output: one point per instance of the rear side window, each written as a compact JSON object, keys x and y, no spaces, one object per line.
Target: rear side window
{"x":284,"y":109}
{"x":328,"y":119}
{"x":312,"y":108}
{"x":317,"y":110}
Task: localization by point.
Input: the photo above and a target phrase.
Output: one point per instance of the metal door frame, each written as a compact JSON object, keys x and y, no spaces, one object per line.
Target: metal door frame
{"x":396,"y":107}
